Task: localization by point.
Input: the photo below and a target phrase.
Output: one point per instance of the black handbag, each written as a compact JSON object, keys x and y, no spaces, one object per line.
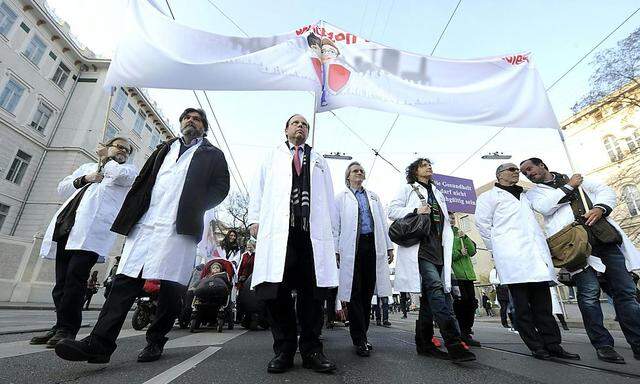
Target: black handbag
{"x":412,"y":228}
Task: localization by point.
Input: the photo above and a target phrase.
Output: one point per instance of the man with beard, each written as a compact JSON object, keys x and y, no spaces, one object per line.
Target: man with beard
{"x":78,"y":236}
{"x":162,"y":219}
{"x":556,"y":197}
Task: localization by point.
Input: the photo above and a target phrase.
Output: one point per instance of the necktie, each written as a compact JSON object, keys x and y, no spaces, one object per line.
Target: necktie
{"x":296,"y":160}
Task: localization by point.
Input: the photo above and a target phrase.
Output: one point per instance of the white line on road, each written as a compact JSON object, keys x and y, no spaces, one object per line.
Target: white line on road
{"x":19,"y":348}
{"x":177,"y":370}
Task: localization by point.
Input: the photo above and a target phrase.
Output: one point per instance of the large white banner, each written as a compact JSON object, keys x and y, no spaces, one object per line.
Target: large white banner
{"x":341,"y":68}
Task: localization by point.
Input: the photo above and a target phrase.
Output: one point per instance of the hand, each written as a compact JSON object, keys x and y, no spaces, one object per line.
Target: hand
{"x":102,"y":151}
{"x":338,"y":259}
{"x":575,"y":180}
{"x":94,"y":177}
{"x":463,"y":251}
{"x":593,"y":215}
{"x":253,"y":230}
{"x":425,"y":209}
{"x":390,"y":256}
{"x":461,"y":233}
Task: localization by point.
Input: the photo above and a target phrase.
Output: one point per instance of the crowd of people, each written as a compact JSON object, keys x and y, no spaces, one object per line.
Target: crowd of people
{"x":329,"y":248}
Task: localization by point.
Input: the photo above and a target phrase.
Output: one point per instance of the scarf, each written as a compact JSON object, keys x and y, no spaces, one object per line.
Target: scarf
{"x":300,"y":203}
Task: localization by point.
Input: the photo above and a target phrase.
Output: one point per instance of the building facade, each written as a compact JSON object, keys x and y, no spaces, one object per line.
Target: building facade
{"x":53,"y":114}
{"x":604,"y":142}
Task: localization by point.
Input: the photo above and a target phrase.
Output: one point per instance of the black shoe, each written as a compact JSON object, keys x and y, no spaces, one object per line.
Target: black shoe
{"x":560,"y":353}
{"x":369,"y":346}
{"x":318,"y":362}
{"x":470,"y":341}
{"x":609,"y":355}
{"x":152,"y":351}
{"x":432,"y":351}
{"x":330,"y":325}
{"x":459,"y":353}
{"x":362,"y":350}
{"x":386,"y":323}
{"x":378,"y":322}
{"x":280,"y":363}
{"x":565,"y":327}
{"x":81,"y":350}
{"x":404,"y":316}
{"x":541,"y":354}
{"x":636,"y":352}
{"x":59,"y":335}
{"x":42,"y":339}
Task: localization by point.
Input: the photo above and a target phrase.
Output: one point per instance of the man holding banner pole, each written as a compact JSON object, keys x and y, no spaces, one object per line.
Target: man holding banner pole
{"x":613,"y":258}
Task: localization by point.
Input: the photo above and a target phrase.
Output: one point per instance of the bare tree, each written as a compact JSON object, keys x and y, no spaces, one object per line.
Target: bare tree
{"x":616,"y":76}
{"x":237,"y":208}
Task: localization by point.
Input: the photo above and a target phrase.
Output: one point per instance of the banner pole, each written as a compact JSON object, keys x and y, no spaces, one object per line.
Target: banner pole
{"x":106,"y":122}
{"x":573,"y":168}
{"x":313,"y":134}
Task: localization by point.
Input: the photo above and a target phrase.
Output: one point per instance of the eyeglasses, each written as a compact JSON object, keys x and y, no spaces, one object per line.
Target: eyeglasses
{"x":357,"y":171}
{"x":511,"y":169}
{"x":121,"y":148}
{"x":301,"y":123}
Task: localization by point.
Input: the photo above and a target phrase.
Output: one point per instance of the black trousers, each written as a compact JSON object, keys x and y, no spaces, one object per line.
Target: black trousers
{"x":404,"y":303}
{"x":72,"y":272}
{"x":533,"y":314}
{"x":283,"y":313}
{"x":465,"y":306}
{"x":382,"y":309}
{"x":124,"y":292}
{"x":362,"y":287}
{"x":331,"y":305}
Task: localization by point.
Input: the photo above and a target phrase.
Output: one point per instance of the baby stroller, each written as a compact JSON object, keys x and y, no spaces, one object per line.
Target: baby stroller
{"x":212,"y":298}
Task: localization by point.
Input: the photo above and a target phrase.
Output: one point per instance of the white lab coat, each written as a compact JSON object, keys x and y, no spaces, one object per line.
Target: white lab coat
{"x":346,"y":231}
{"x":407,"y":272}
{"x":509,"y":229}
{"x":96,"y":212}
{"x":544,"y":199}
{"x":269,"y":207}
{"x":153,"y":246}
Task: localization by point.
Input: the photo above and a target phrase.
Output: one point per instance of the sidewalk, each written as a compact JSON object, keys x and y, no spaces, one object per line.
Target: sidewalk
{"x":38,"y":306}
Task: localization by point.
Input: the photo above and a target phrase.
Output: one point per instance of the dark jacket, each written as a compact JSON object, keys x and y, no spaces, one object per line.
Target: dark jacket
{"x":205,"y":186}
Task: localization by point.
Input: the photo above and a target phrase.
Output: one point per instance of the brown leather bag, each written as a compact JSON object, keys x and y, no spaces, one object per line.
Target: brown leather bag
{"x":570,"y":247}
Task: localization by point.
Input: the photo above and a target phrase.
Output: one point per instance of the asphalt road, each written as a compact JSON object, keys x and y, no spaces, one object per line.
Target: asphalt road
{"x":239,"y":356}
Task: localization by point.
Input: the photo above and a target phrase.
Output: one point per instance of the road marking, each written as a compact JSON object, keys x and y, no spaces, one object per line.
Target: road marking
{"x":177,"y":370}
{"x":203,"y":339}
{"x":19,"y":348}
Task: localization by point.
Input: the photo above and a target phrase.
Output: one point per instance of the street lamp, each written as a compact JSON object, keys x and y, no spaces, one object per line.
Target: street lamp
{"x":337,"y":156}
{"x":496,"y":156}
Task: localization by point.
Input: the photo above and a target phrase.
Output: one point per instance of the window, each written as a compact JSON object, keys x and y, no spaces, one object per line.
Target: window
{"x":110,"y":133}
{"x":121,"y":101}
{"x":613,"y":148}
{"x":61,"y":75}
{"x":35,"y":50}
{"x":139,"y":123}
{"x":11,"y":95}
{"x":18,"y":167}
{"x":155,"y":139}
{"x":633,"y":141}
{"x":134,"y":150}
{"x":41,"y":117}
{"x":148,"y":127}
{"x":631,"y":196}
{"x":4,"y":211}
{"x":7,"y":18}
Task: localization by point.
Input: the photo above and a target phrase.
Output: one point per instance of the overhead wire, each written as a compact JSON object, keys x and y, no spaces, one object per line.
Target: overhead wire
{"x":444,"y":30}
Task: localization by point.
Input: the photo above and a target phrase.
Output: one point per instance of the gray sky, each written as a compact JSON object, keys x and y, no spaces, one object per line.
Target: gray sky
{"x":558,"y":33}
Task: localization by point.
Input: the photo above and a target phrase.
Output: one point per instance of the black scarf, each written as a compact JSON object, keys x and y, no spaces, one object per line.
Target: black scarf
{"x":515,"y":189}
{"x":300,"y":202}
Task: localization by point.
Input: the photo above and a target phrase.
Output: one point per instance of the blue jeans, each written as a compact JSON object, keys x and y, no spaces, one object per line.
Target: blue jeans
{"x":623,"y":292}
{"x":435,"y":303}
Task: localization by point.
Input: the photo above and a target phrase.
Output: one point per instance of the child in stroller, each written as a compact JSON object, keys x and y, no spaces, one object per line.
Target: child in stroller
{"x":212,"y":301}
